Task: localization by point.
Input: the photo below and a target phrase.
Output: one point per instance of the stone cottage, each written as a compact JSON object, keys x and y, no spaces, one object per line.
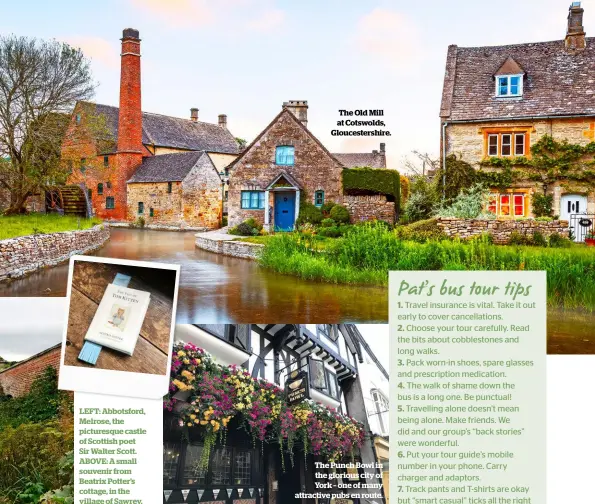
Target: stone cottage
{"x":498,"y":101}
{"x":137,"y":164}
{"x":287,"y":165}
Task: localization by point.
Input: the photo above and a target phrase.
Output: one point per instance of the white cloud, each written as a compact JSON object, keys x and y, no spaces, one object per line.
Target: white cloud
{"x":269,"y":20}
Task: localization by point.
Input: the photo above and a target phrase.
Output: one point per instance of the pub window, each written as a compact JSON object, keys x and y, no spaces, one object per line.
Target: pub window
{"x":242,"y":469}
{"x":169,"y":187}
{"x":106,"y":161}
{"x":322,"y":379}
{"x":100,"y":188}
{"x":141,"y":208}
{"x":110,"y":204}
{"x":328,"y":335}
{"x":221,"y":466}
{"x":171,"y":455}
{"x":193,"y":474}
{"x":381,"y":405}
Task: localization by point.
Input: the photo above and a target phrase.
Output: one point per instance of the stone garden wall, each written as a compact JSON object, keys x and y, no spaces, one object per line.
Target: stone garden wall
{"x":364,"y":208}
{"x":233,"y":248}
{"x":22,"y":255}
{"x":499,"y":229}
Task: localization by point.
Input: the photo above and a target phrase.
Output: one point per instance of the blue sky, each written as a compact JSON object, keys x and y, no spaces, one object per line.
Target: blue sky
{"x":245,"y":57}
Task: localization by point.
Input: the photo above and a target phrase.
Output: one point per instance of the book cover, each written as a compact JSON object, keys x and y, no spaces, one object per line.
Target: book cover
{"x":119,"y":318}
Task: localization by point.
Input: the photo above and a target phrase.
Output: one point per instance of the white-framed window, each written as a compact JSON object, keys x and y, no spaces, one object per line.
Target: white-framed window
{"x":509,"y":85}
{"x":381,"y":406}
{"x":492,"y":145}
{"x":506,"y":144}
{"x":519,"y":144}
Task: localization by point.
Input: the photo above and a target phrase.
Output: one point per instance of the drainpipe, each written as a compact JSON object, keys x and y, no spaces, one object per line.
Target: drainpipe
{"x":444,"y":124}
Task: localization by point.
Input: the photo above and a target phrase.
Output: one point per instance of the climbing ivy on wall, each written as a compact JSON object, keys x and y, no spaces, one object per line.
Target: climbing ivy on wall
{"x":551,"y":161}
{"x":365,"y":180}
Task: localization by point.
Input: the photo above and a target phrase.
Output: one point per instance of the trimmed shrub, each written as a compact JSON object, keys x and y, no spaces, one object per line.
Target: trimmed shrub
{"x":468,"y":204}
{"x":325,"y":223}
{"x":421,"y":231}
{"x":253,"y":223}
{"x":340,"y":214}
{"x":326,"y":208}
{"x":309,"y":213}
{"x":367,"y":180}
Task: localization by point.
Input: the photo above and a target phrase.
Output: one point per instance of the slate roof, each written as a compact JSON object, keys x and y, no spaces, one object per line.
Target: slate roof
{"x":556,"y":82}
{"x":362,"y":159}
{"x":166,"y":167}
{"x":175,"y":132}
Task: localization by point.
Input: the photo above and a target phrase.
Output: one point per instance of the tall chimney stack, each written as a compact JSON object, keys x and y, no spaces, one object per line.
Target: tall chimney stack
{"x":130,"y":128}
{"x":223,"y":120}
{"x":298,"y":108}
{"x":194,"y":114}
{"x":129,"y":155}
{"x":575,"y":33}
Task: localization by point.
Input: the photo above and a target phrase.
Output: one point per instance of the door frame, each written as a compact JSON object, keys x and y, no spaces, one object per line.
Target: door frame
{"x":280,"y":193}
{"x":289,"y":185}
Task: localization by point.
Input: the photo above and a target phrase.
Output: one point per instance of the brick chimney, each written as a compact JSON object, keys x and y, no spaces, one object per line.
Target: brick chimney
{"x":575,"y":33}
{"x":223,"y":120}
{"x":298,"y":108}
{"x":194,"y":114}
{"x":129,"y":155}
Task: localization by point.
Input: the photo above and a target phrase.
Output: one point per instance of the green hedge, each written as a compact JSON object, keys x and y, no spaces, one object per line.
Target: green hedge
{"x":373,"y":180}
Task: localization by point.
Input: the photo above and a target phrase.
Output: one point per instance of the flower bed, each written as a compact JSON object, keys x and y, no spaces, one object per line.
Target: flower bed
{"x":208,"y":396}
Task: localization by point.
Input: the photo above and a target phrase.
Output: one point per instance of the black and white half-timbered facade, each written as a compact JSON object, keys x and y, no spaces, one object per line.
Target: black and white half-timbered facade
{"x":240,"y":472}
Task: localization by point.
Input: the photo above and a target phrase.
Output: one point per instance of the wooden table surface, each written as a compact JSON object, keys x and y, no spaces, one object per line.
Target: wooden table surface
{"x":89,"y":281}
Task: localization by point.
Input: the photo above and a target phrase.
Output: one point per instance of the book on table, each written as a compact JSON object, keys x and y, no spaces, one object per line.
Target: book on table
{"x":119,"y":318}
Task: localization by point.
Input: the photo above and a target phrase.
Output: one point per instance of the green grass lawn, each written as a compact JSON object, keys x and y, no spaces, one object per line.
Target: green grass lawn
{"x":366,"y":255}
{"x":36,"y":223}
{"x":319,"y":242}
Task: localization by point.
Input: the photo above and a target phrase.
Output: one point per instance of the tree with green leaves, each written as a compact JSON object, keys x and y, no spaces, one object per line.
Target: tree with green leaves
{"x":40,"y":81}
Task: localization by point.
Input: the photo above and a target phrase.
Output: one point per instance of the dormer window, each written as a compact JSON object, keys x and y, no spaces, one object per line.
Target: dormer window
{"x":509,"y":79}
{"x":509,"y":85}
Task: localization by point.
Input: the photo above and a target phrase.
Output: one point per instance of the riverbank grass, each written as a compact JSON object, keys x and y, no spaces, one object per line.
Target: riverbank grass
{"x":366,"y":254}
{"x":36,"y":223}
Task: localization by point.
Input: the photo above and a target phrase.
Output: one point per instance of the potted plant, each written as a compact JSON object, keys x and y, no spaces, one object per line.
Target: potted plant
{"x":590,"y":238}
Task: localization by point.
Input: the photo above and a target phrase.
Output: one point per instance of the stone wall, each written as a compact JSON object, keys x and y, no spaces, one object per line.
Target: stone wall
{"x":16,"y":380}
{"x":467,"y":140}
{"x":364,"y":208}
{"x":499,"y":229}
{"x":167,"y":207}
{"x":22,"y":255}
{"x":314,"y":169}
{"x":243,"y":250}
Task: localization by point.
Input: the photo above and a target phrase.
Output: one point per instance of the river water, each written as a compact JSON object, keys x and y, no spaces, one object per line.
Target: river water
{"x":220,"y":289}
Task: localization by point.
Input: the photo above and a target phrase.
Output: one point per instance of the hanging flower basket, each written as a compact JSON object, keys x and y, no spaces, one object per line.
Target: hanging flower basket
{"x":207,"y":396}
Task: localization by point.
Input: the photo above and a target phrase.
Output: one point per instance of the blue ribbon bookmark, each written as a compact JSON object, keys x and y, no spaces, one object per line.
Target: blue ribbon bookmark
{"x":90,"y":351}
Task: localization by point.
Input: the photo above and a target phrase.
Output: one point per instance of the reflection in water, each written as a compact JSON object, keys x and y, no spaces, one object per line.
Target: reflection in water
{"x":220,"y":289}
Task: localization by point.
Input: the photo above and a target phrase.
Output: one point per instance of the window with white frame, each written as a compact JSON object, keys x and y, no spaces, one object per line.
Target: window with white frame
{"x":509,"y":85}
{"x":381,"y":407}
{"x":507,"y":144}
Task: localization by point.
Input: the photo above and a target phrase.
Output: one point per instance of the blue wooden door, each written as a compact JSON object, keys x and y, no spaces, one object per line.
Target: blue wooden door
{"x":284,"y":211}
